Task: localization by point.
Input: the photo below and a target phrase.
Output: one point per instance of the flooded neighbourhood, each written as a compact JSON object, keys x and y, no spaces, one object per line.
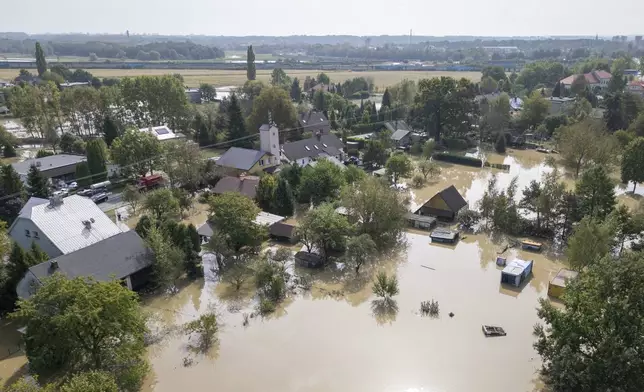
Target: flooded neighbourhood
{"x":331,"y":337}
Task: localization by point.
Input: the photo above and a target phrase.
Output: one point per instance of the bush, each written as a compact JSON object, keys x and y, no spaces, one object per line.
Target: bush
{"x":9,"y":151}
{"x":468,"y":218}
{"x":416,"y":149}
{"x":458,"y":159}
{"x":418,"y":180}
{"x":429,"y":308}
{"x":266,"y":306}
{"x":43,"y":153}
{"x":385,"y":286}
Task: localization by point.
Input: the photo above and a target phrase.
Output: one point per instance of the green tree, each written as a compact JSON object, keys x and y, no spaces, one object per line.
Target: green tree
{"x":584,"y":144}
{"x":12,"y":193}
{"x":633,"y":162}
{"x":444,"y":105}
{"x":41,"y":63}
{"x":379,"y":210}
{"x":556,"y":92}
{"x":136,"y":151}
{"x":207,"y":92}
{"x":251,"y":72}
{"x":103,"y":323}
{"x":497,"y":73}
{"x":323,"y":78}
{"x":354,"y":174}
{"x":233,"y":216}
{"x":132,"y":196}
{"x":535,"y":109}
{"x":277,"y":101}
{"x":296,"y":91}
{"x":93,"y":381}
{"x":266,"y":192}
{"x":110,"y":130}
{"x":375,"y":154}
{"x":9,"y":151}
{"x":428,"y":168}
{"x":498,"y":115}
{"x":205,"y":327}
{"x":488,"y":85}
{"x":324,"y":229}
{"x":614,"y":115}
{"x":595,"y":193}
{"x":183,"y":164}
{"x":590,"y":241}
{"x":578,"y":85}
{"x":385,"y":286}
{"x":161,"y":203}
{"x":637,"y":126}
{"x":499,"y":146}
{"x":97,"y":156}
{"x":284,"y":198}
{"x":37,"y":183}
{"x":279,"y":78}
{"x":83,"y":175}
{"x":360,"y":250}
{"x":293,"y":175}
{"x":169,"y":260}
{"x":617,"y":82}
{"x":320,"y":183}
{"x":428,"y":148}
{"x":593,"y":343}
{"x":386,"y":99}
{"x":236,"y":125}
{"x":399,"y":165}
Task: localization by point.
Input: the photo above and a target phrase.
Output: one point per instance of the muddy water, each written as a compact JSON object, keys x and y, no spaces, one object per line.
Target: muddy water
{"x":332,"y":338}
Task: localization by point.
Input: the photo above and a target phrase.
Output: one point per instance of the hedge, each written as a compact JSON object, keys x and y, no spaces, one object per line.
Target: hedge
{"x":458,"y":159}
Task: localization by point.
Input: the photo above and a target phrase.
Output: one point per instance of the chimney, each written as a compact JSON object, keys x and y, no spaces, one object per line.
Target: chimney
{"x":53,"y":265}
{"x":88,"y":224}
{"x":318,"y":135}
{"x":55,"y":201}
{"x":38,"y":163}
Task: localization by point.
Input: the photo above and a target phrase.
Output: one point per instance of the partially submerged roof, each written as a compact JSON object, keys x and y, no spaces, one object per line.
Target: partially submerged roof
{"x":74,"y":223}
{"x":452,"y":198}
{"x":48,"y":163}
{"x":420,"y":218}
{"x":240,"y":158}
{"x":323,"y":144}
{"x":563,"y":276}
{"x":246,"y":186}
{"x":116,"y":257}
{"x":516,"y":267}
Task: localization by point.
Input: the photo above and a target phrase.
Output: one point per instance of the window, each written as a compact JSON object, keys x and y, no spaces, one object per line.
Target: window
{"x":261,"y":162}
{"x":36,"y":234}
{"x":27,"y":234}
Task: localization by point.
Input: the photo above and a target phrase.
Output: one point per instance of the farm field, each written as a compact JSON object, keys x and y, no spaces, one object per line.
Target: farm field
{"x":193,"y":77}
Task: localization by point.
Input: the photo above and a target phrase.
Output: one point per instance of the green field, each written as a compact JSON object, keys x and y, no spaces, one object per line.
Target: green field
{"x":193,"y":77}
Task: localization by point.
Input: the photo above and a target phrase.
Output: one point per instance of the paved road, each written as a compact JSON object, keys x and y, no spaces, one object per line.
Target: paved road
{"x":115,"y":200}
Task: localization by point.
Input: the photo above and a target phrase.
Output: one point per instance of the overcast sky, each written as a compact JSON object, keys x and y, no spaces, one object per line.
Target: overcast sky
{"x":327,"y":17}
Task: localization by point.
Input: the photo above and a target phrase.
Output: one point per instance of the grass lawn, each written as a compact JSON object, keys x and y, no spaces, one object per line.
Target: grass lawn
{"x":193,"y":77}
{"x":212,"y":152}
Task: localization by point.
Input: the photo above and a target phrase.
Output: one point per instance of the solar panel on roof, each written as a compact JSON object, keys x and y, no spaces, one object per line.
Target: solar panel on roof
{"x":162,"y":131}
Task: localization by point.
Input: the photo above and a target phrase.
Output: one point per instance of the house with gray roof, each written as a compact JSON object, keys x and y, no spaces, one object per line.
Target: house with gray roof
{"x":239,"y":160}
{"x":245,"y":185}
{"x":304,"y":151}
{"x":61,"y":226}
{"x":314,"y":121}
{"x":57,"y":167}
{"x":400,"y":132}
{"x":123,"y":256}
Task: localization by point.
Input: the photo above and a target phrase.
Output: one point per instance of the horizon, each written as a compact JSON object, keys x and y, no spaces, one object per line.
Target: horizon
{"x":501,"y":18}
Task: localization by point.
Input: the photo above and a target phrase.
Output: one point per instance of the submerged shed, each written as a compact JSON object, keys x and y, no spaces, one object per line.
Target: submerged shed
{"x":445,"y":204}
{"x":557,"y":285}
{"x":516,"y":272}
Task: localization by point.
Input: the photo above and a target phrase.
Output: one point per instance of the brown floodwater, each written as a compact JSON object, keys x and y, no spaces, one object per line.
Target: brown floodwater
{"x":334,"y":338}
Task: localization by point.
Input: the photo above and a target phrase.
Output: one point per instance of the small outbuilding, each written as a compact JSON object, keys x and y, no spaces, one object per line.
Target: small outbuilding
{"x":516,"y":272}
{"x":281,"y":231}
{"x":444,"y":205}
{"x":557,"y":285}
{"x":444,"y":236}
{"x":420,"y":221}
{"x":309,"y":260}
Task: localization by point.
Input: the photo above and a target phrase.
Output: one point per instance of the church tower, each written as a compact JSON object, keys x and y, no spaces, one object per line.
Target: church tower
{"x":269,"y":141}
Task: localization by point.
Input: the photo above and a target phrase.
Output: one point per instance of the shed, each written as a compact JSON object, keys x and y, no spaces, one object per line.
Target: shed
{"x":444,"y":236}
{"x":445,"y":204}
{"x":557,"y":285}
{"x":281,"y":231}
{"x":310,"y":260}
{"x":516,"y":272}
{"x":420,"y":221}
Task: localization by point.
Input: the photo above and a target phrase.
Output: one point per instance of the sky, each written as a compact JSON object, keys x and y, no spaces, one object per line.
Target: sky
{"x":327,"y":17}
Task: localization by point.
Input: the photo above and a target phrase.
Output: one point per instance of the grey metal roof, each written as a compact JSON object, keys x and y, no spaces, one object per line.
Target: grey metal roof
{"x":25,"y":212}
{"x":63,"y":223}
{"x":394,"y":126}
{"x":399,"y":134}
{"x":313,"y":120}
{"x":331,"y":159}
{"x":313,"y":147}
{"x":48,"y":163}
{"x":452,"y":198}
{"x":240,"y":158}
{"x":205,"y":230}
{"x":116,"y":257}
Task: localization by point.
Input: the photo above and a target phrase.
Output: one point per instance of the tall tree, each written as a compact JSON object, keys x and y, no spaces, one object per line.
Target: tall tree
{"x":296,"y":91}
{"x":583,"y":144}
{"x":93,"y":381}
{"x":595,"y":193}
{"x":535,"y":109}
{"x":359,"y":250}
{"x":103,"y":323}
{"x":41,"y":63}
{"x":266,"y":192}
{"x":386,"y":99}
{"x":375,"y":154}
{"x":233,"y":216}
{"x":110,"y":130}
{"x":12,"y":193}
{"x":83,"y":175}
{"x":208,"y":92}
{"x":633,"y":162}
{"x":161,"y":203}
{"x":320,"y":183}
{"x":251,"y":72}
{"x":284,"y":198}
{"x":325,"y":229}
{"x":136,"y":151}
{"x":324,"y":78}
{"x":614,"y":115}
{"x":280,"y":79}
{"x":556,"y":92}
{"x":617,"y":82}
{"x":277,"y":102}
{"x":399,"y":165}
{"x":97,"y":155}
{"x":236,"y":124}
{"x":594,"y":343}
{"x":37,"y":183}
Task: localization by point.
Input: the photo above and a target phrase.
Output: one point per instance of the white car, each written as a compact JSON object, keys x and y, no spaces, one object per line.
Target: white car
{"x":63,"y":193}
{"x":72,"y":185}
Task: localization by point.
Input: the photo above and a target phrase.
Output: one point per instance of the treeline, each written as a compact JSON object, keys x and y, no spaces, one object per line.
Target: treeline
{"x":168,"y":50}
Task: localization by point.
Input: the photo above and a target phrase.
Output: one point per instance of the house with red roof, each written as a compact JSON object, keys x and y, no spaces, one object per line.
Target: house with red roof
{"x":593,"y":79}
{"x":636,"y":87}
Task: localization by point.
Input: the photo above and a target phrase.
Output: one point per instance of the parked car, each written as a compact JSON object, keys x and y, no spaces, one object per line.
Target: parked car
{"x":99,"y":198}
{"x":62,"y":193}
{"x":72,"y":185}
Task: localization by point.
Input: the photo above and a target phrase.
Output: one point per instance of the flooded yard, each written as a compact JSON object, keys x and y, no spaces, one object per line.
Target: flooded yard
{"x":332,"y":338}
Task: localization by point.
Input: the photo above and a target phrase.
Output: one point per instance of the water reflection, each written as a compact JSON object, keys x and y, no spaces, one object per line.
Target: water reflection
{"x":384,"y":310}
